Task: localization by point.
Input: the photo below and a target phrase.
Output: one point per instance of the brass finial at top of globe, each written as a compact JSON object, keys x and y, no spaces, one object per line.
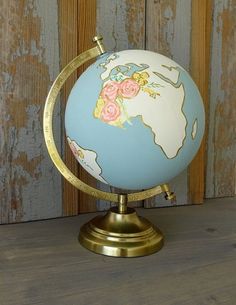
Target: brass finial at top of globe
{"x":99,"y":40}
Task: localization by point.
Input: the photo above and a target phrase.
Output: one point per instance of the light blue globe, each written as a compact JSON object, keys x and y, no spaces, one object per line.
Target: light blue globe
{"x":134,"y":119}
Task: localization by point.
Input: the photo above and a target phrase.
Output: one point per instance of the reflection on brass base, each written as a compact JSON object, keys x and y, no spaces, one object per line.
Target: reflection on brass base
{"x":122,"y":235}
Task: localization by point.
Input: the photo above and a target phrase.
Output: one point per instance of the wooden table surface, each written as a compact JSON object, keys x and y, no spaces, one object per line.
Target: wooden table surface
{"x":42,"y":262}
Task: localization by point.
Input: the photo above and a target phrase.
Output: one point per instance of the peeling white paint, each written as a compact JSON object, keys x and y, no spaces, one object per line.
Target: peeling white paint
{"x":48,"y":12}
{"x":180,"y":46}
{"x":221,"y":163}
{"x":216,"y":93}
{"x":111,"y":21}
{"x":42,"y":197}
{"x":30,"y":183}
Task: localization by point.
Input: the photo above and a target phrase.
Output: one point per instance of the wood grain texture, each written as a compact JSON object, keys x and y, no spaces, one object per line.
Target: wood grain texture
{"x":168,"y":33}
{"x":42,"y":262}
{"x":122,"y":25}
{"x":77,"y":28}
{"x":29,"y":61}
{"x":68,"y":29}
{"x":221,"y":165}
{"x":200,"y":71}
{"x":86,"y":32}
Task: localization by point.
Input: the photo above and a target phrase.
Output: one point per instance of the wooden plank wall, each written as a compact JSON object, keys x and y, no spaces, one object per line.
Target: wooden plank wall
{"x":87,"y":30}
{"x":200,"y":72}
{"x":29,"y":61}
{"x":221,"y":165}
{"x":68,"y":35}
{"x":30,"y":187}
{"x":121,"y":23}
{"x":77,"y":20}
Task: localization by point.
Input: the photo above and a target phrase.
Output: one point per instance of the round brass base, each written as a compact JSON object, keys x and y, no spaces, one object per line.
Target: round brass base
{"x":121,"y":235}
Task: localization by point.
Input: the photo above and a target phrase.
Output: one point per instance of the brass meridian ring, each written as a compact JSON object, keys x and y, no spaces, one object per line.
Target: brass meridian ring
{"x":49,"y":138}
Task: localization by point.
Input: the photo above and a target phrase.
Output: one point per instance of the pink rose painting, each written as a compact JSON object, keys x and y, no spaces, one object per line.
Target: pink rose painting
{"x":129,"y":88}
{"x":111,"y":104}
{"x":110,"y":112}
{"x":110,"y":91}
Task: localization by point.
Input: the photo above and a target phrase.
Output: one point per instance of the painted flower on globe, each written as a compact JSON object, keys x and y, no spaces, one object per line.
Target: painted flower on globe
{"x":110,"y":91}
{"x":122,"y":86}
{"x":129,"y":88}
{"x":141,"y":78}
{"x":110,"y":112}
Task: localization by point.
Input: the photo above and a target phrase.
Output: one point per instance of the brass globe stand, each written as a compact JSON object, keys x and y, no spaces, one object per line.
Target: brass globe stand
{"x":121,"y":232}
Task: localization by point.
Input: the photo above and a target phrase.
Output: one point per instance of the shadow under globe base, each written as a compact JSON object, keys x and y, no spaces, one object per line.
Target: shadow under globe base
{"x":121,"y":234}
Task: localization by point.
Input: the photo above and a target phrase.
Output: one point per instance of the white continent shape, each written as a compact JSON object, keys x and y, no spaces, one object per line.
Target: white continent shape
{"x":151,"y":60}
{"x":169,"y":122}
{"x":88,"y":160}
{"x":168,"y":125}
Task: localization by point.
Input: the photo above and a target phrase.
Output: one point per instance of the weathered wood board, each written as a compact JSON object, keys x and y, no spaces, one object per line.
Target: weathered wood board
{"x":121,"y":23}
{"x":68,"y":37}
{"x":77,"y":27}
{"x":200,"y":72}
{"x":221,"y":164}
{"x":30,"y":186}
{"x":86,"y":31}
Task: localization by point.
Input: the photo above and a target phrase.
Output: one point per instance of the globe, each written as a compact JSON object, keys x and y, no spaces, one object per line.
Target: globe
{"x":134,"y":119}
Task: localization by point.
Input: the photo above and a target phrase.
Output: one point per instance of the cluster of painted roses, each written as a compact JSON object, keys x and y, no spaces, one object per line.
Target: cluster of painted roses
{"x":109,"y":105}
